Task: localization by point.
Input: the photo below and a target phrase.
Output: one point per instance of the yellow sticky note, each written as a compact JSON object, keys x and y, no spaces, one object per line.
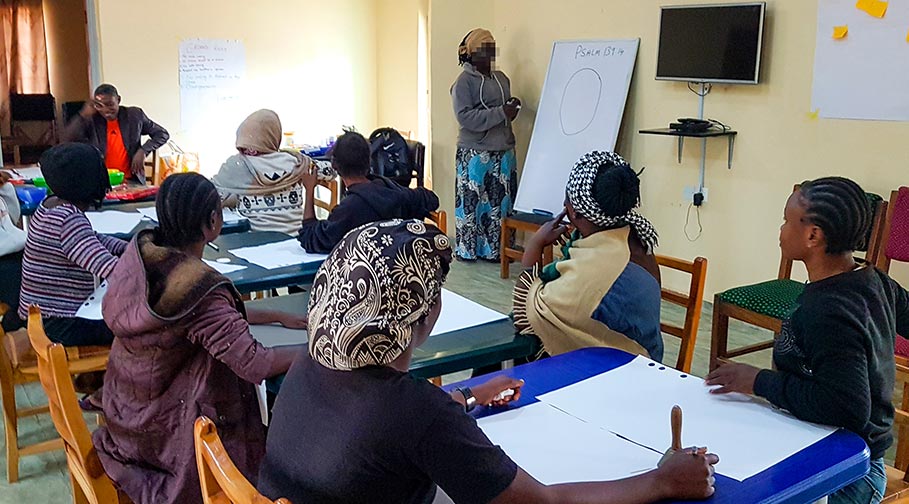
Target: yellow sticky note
{"x":814,"y":114}
{"x":840,"y":32}
{"x":876,"y":8}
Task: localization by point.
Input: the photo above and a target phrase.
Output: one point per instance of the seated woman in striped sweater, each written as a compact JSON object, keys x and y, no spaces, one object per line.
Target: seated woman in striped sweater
{"x":63,"y":254}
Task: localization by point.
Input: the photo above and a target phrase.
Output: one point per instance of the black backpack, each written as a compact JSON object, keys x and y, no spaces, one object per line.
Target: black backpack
{"x":389,"y":155}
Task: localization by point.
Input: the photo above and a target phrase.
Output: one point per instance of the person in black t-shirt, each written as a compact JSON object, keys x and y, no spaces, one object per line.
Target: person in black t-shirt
{"x":351,"y":425}
{"x":834,"y":355}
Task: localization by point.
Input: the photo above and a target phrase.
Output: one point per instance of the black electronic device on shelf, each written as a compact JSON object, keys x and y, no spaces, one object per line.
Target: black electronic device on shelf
{"x":690,"y":125}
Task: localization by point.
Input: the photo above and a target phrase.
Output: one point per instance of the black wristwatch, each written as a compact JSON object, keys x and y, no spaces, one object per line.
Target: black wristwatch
{"x":470,"y":402}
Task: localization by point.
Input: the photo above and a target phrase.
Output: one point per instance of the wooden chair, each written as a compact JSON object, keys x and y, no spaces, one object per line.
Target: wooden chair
{"x":524,"y":223}
{"x":91,"y":485}
{"x":333,"y":187}
{"x":692,"y":302}
{"x":440,"y":219}
{"x":895,"y":246}
{"x":12,"y":374}
{"x":23,"y":370}
{"x":221,"y":481}
{"x":894,"y":243}
{"x":897,"y":478}
{"x":766,"y":304}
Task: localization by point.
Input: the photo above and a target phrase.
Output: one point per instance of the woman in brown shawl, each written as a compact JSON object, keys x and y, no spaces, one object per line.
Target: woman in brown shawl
{"x":263,"y":182}
{"x":182,"y":348}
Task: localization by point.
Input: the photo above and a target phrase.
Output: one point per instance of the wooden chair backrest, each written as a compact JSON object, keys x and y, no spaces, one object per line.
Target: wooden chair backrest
{"x":876,"y":238}
{"x":333,"y":187}
{"x":692,"y":302}
{"x":85,"y":468}
{"x":901,"y":415}
{"x":440,"y":219}
{"x":883,"y":260}
{"x":221,"y":481}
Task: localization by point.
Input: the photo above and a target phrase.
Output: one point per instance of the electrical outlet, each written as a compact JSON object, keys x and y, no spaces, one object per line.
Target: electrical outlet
{"x":690,"y":191}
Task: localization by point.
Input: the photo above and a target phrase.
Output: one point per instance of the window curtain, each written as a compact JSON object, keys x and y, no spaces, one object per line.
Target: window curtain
{"x":23,"y":62}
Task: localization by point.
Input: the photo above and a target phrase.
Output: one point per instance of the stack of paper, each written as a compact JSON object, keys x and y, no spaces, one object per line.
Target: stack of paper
{"x":278,"y":254}
{"x":224,"y":268}
{"x":555,"y":447}
{"x":459,"y":313}
{"x":24,"y":173}
{"x":635,"y":400}
{"x":149,"y":213}
{"x":114,"y":222}
{"x":229,"y":215}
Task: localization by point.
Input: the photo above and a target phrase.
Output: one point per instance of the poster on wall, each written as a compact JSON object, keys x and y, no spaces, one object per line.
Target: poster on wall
{"x":861,"y":60}
{"x":212,"y":89}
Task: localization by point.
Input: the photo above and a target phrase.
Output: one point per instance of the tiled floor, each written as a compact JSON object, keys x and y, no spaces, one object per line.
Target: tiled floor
{"x":44,"y":478}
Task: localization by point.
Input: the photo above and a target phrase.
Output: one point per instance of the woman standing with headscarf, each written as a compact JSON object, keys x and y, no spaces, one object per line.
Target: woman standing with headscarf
{"x":486,"y":177}
{"x":263,"y":182}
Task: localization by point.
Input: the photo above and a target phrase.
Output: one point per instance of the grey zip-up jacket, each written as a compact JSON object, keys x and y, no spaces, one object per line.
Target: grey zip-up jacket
{"x":478,"y":105}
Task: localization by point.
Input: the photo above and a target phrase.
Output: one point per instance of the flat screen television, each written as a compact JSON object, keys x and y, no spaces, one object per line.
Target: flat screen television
{"x":711,"y":43}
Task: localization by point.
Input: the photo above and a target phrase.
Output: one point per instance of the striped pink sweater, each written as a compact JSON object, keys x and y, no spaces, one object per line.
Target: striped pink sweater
{"x":63,"y":255}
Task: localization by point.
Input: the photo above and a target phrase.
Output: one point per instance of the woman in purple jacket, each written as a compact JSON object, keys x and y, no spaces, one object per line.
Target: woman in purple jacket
{"x":182,"y":349}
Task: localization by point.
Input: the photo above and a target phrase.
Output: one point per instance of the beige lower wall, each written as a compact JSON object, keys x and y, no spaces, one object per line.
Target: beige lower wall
{"x":396,"y":61}
{"x":778,"y":143}
{"x":313,"y":62}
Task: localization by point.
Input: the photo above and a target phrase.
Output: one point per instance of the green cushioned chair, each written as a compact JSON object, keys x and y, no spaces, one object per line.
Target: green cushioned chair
{"x":766,"y":304}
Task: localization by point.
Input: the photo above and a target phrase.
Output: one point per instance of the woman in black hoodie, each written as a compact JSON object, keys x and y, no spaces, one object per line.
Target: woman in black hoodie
{"x":369,"y":198}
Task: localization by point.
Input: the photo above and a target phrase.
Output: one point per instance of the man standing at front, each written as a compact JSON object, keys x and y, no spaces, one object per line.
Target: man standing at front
{"x":117,"y":131}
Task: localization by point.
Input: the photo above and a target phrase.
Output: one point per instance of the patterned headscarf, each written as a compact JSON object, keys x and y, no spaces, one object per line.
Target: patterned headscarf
{"x":580,"y":195}
{"x":379,"y":281}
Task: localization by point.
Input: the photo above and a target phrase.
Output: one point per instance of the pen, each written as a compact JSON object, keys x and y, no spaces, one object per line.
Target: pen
{"x":212,"y":245}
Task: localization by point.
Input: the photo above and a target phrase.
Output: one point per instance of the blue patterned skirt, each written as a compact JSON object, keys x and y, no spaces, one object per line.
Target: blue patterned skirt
{"x":484,"y":194}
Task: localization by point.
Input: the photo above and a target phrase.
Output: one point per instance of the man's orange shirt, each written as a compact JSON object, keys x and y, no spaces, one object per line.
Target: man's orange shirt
{"x":116,"y":157}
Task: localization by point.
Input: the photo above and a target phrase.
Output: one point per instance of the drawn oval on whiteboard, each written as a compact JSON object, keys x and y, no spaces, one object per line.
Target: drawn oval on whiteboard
{"x":580,"y":101}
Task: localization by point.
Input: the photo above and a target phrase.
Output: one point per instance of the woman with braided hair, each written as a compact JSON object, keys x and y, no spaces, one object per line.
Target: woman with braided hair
{"x":182,"y":349}
{"x":605,"y":291}
{"x":834,"y":354}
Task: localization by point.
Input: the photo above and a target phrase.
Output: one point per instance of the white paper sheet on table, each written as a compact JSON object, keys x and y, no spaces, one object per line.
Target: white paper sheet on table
{"x":113,"y":222}
{"x":24,"y":173}
{"x":91,"y":307}
{"x":229,"y":215}
{"x":555,"y":447}
{"x":278,"y":254}
{"x":459,"y":313}
{"x":635,"y":401}
{"x":224,"y":268}
{"x":274,"y":335}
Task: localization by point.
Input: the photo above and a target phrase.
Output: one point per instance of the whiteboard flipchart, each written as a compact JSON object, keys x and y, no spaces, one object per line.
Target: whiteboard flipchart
{"x":580,"y":110}
{"x":212,"y":73}
{"x":863,"y":74}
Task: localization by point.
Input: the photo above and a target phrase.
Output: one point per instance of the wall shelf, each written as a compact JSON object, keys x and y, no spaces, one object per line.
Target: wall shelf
{"x":711,"y":133}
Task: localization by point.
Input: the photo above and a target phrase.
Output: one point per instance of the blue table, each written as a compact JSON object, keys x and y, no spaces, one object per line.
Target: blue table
{"x":819,"y":470}
{"x":256,"y":278}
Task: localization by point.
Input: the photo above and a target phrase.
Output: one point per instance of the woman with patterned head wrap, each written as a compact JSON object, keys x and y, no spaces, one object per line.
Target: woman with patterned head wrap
{"x":486,"y":179}
{"x":352,"y":426}
{"x":605,"y":291}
